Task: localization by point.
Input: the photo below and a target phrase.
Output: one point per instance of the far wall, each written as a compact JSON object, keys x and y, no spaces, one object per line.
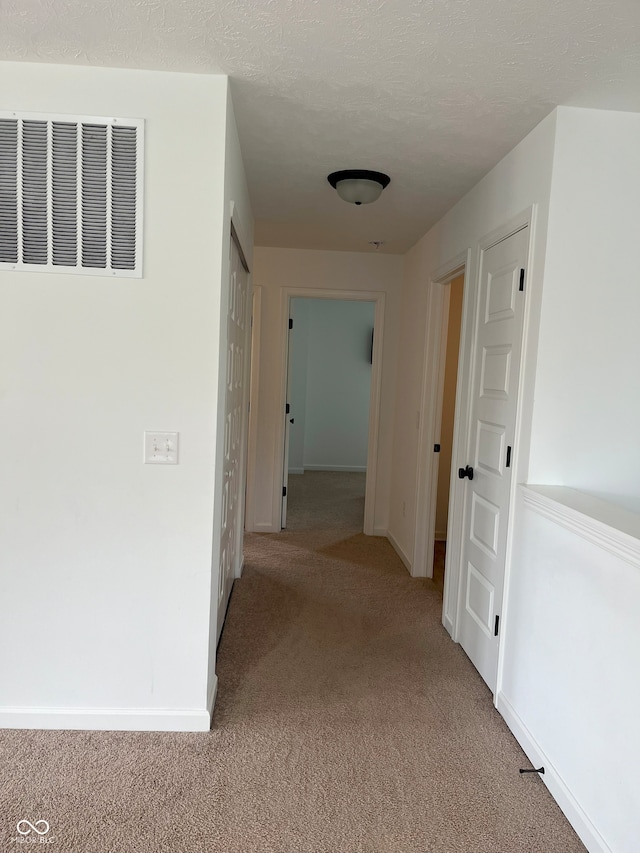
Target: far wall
{"x":273,"y":270}
{"x":330,"y":376}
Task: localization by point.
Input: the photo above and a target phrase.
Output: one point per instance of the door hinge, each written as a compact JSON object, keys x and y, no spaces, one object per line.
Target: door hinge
{"x":436,"y":448}
{"x":495,"y":630}
{"x":287,"y":409}
{"x":284,"y":491}
{"x":290,"y":323}
{"x":508,"y":463}
{"x":521,"y":280}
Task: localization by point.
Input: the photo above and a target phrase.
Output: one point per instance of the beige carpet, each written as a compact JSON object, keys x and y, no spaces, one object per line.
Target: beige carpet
{"x":326,"y":499}
{"x":439,"y":555}
{"x":346,"y":721}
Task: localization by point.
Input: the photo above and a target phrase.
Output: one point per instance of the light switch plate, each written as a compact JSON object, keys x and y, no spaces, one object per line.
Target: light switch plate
{"x":161,"y":448}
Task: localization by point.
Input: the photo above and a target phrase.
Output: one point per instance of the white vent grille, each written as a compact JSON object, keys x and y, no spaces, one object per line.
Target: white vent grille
{"x":71,"y":194}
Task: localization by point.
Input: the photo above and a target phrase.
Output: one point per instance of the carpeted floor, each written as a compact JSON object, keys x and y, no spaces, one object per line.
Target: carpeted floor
{"x":326,"y":499}
{"x":439,"y":554}
{"x":346,"y":721}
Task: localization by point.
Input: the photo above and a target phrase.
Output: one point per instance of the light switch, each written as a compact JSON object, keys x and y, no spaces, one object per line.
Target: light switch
{"x":161,"y":448}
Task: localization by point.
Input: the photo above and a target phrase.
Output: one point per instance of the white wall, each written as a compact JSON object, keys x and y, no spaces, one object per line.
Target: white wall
{"x":275,"y":269}
{"x":521,"y":179}
{"x":336,"y":354}
{"x":569,"y":688}
{"x":583,"y":642}
{"x":106,"y":562}
{"x":587,"y":412}
{"x":298,"y":361}
{"x":570,"y":645}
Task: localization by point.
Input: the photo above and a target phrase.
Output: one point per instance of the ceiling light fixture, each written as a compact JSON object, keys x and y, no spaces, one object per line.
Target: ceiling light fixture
{"x":358,"y":186}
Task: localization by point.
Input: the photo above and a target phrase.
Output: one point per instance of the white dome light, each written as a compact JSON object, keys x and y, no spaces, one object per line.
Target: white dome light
{"x":358,"y":186}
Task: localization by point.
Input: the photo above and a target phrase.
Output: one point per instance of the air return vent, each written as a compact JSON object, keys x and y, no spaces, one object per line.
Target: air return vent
{"x":71,"y":194}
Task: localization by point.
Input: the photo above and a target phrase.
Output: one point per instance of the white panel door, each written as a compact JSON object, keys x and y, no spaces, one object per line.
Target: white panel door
{"x":235,"y":426}
{"x":493,"y":415}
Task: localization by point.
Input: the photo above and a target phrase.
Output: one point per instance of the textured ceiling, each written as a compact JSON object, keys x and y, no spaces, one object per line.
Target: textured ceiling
{"x":433,"y":92}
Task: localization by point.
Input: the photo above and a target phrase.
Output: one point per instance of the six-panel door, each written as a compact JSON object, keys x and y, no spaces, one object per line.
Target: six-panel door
{"x":493,"y":415}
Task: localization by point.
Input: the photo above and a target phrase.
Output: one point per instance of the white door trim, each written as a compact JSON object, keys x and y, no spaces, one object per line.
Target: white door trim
{"x":254,"y":384}
{"x":378,"y":297}
{"x":237,"y":238}
{"x":469,"y":262}
{"x":238,"y":234}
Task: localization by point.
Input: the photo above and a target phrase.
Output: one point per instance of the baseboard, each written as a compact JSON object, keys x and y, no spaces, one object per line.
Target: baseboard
{"x":211,"y":696}
{"x":448,"y":625}
{"x":396,"y":547}
{"x":572,"y":810}
{"x":296,"y":470}
{"x":263,"y":527}
{"x":108,"y":719}
{"x":355,"y":469}
{"x":240,"y":567}
{"x":380,"y":531}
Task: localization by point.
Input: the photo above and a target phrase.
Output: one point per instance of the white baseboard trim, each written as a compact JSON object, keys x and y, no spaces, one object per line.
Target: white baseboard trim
{"x":263,"y":527}
{"x":107,"y":719}
{"x":240,"y":567}
{"x":296,"y":470}
{"x":380,"y":531}
{"x":341,"y":468}
{"x":396,"y":547}
{"x":211,"y":696}
{"x":448,"y":625}
{"x":572,"y":810}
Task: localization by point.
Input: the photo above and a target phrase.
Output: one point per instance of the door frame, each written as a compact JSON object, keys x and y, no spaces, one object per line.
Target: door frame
{"x":470,"y":263}
{"x":246,"y":379}
{"x":254,"y":383}
{"x":239,"y":237}
{"x":377,"y":297}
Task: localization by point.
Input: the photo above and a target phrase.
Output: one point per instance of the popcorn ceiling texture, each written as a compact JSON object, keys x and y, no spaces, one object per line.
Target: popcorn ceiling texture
{"x":432,"y":92}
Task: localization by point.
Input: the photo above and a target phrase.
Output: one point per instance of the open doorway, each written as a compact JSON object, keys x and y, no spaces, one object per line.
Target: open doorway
{"x":327,"y":416}
{"x":450,"y":349}
{"x":485,"y":440}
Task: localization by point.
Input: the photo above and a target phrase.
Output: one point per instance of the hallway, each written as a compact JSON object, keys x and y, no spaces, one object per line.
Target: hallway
{"x":368,"y":728}
{"x":346,"y":721}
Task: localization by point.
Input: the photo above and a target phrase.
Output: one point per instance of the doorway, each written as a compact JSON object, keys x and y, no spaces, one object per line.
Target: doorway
{"x":282,"y":441}
{"x":236,"y":399}
{"x":452,"y":310}
{"x":327,"y":413}
{"x":486,"y":441}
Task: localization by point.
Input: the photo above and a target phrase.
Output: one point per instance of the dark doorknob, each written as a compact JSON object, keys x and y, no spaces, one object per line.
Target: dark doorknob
{"x":465,"y":472}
